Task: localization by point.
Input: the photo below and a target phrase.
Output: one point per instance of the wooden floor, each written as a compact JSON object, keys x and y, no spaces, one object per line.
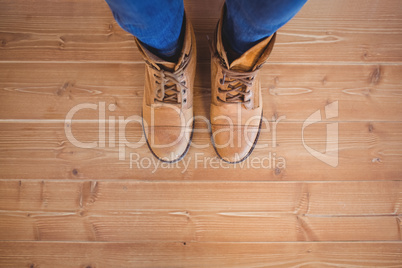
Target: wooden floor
{"x":64,"y":206}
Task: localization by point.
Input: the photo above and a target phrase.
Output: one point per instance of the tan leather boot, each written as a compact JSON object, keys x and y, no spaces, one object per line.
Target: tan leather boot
{"x":167,"y":108}
{"x":236,"y":106}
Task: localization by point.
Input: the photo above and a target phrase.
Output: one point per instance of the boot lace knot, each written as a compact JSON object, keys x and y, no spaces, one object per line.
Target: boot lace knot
{"x":235,"y":86}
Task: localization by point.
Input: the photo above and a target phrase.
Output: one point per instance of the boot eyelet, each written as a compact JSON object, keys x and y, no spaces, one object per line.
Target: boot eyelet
{"x":184,"y":100}
{"x":184,"y":91}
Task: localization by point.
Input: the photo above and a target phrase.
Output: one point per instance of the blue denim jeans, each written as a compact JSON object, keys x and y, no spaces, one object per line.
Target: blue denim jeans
{"x":158,"y":23}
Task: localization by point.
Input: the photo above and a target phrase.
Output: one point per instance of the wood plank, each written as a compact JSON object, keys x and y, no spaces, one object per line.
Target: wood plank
{"x":85,"y":31}
{"x":156,"y":254}
{"x":192,"y":226}
{"x":49,"y":91}
{"x":364,"y":198}
{"x":367,"y":151}
{"x":175,"y":211}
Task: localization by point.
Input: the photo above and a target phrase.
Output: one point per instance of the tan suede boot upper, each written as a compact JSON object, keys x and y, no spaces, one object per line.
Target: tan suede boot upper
{"x":167,"y":108}
{"x":236,"y":105}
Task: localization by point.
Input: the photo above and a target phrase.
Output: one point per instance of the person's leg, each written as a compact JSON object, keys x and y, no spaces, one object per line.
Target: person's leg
{"x":165,"y":39}
{"x":248,"y":22}
{"x":244,"y":39}
{"x":156,"y":23}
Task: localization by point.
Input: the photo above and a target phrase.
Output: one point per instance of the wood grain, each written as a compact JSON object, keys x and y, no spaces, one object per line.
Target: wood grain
{"x":324,"y":31}
{"x":64,"y":206}
{"x":261,"y":212}
{"x":157,"y":254}
{"x":367,"y":151}
{"x":363,"y":198}
{"x":49,"y":91}
{"x":194,"y":226}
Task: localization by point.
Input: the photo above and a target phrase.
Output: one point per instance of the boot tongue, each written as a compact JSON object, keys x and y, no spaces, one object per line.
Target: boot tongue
{"x":248,"y":61}
{"x":167,"y":66}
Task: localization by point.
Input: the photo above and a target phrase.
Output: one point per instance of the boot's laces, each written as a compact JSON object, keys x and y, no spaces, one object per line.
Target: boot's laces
{"x":236,"y":85}
{"x":169,"y":85}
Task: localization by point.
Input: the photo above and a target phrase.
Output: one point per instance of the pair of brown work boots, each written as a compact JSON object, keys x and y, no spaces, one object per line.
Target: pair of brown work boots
{"x":236,"y":105}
